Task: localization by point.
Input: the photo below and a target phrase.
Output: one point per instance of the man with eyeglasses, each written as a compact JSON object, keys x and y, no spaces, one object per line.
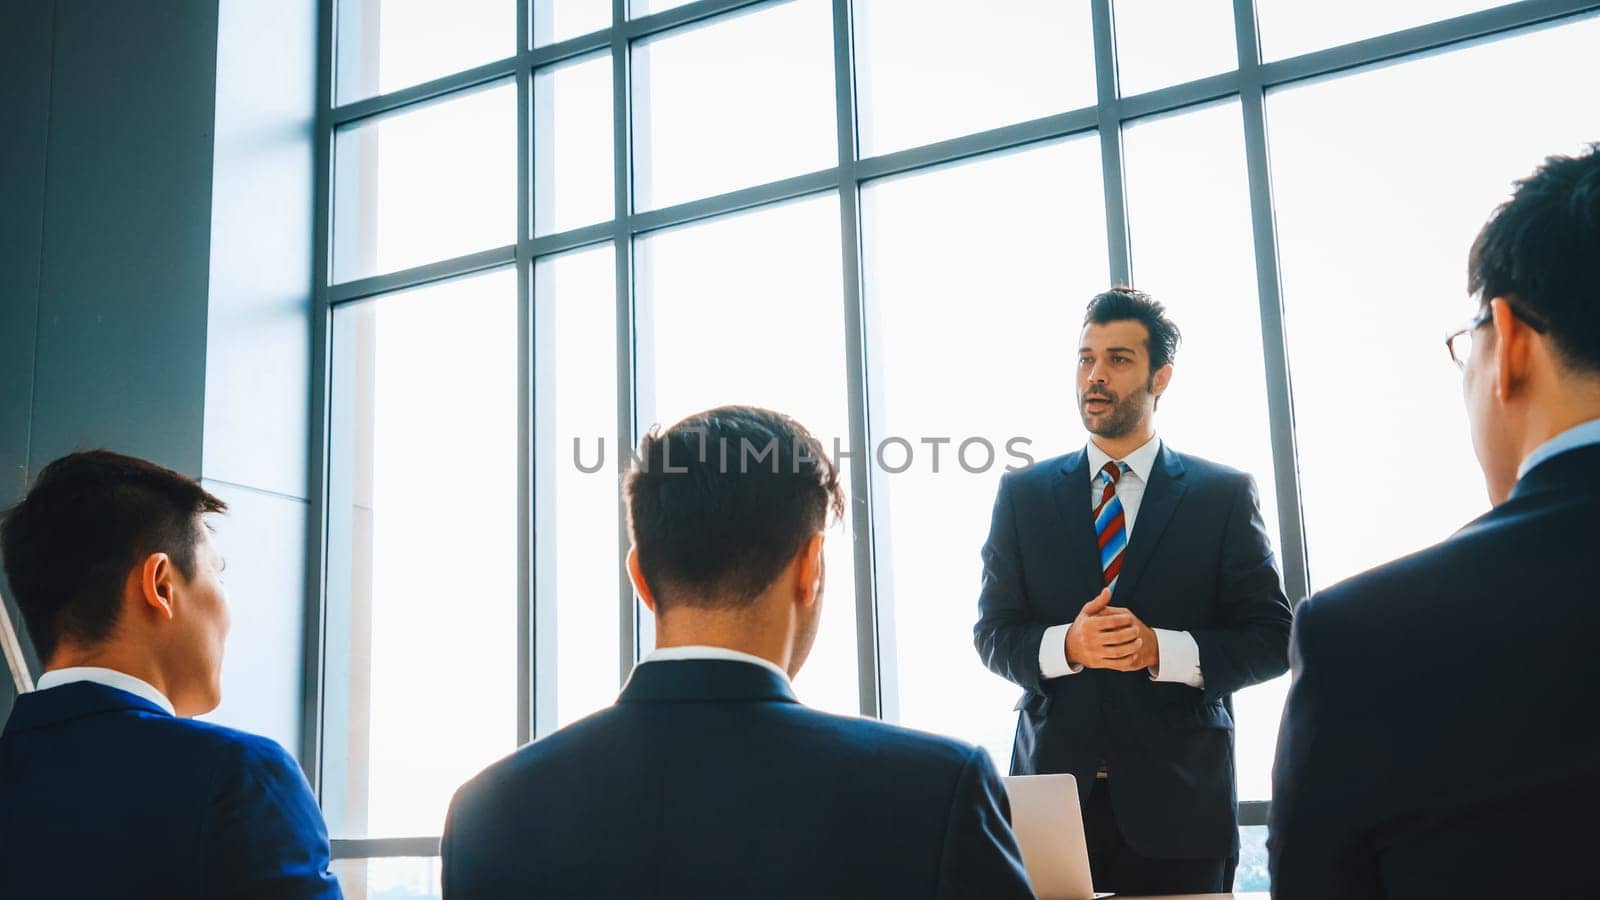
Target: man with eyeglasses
{"x":1440,"y":737}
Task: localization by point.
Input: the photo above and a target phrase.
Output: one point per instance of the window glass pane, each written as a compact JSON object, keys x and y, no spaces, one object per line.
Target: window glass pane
{"x":391,"y":878}
{"x":386,"y":45}
{"x":1292,"y":27}
{"x":1165,"y":42}
{"x":1193,"y":249}
{"x":927,"y":70}
{"x":749,"y":309}
{"x":572,"y":147}
{"x":556,"y":20}
{"x":578,"y":566}
{"x":735,"y":102}
{"x":1373,"y":244}
{"x":430,"y":183}
{"x":641,"y":8}
{"x":1252,"y":872}
{"x":972,"y":333}
{"x":421,"y":664}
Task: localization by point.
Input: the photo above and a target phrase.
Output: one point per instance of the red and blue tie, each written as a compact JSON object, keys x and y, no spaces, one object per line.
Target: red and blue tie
{"x":1110,"y":523}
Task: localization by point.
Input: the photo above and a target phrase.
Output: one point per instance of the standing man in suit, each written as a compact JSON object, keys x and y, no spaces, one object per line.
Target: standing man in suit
{"x":708,"y":779}
{"x":1440,"y":737}
{"x":107,"y":787}
{"x":1129,"y":590}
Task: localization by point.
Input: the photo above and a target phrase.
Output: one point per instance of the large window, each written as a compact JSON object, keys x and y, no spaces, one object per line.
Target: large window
{"x":551,"y":225}
{"x":969,"y":359}
{"x":1373,"y":236}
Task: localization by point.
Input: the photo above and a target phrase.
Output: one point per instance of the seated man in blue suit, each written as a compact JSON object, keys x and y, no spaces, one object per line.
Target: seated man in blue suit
{"x":107,"y":787}
{"x":1440,"y":738}
{"x":708,"y":779}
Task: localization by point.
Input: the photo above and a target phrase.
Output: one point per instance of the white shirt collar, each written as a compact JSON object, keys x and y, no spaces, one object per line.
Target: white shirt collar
{"x":701,"y":651}
{"x":110,"y":678}
{"x":1140,"y":462}
{"x":1580,"y":435}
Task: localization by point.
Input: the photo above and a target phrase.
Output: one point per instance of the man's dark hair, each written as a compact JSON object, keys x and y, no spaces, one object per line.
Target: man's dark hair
{"x":1541,"y":251}
{"x":722,"y":501}
{"x":90,"y":518}
{"x":1123,"y":303}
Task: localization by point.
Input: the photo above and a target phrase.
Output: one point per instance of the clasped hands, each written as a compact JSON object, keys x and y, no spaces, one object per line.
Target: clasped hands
{"x":1110,"y":637}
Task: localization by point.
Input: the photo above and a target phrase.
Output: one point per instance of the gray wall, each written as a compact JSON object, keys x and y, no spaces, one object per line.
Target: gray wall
{"x":155,"y":272}
{"x":25,"y":51}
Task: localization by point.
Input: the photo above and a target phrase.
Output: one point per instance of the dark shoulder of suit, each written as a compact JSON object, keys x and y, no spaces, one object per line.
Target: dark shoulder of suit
{"x":91,"y":772}
{"x":709,"y":799}
{"x":1458,"y":686}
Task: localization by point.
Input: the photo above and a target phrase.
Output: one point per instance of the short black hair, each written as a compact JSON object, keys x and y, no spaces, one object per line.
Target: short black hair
{"x":1541,"y":251}
{"x":1123,"y":303}
{"x":719,"y":503}
{"x":90,"y":518}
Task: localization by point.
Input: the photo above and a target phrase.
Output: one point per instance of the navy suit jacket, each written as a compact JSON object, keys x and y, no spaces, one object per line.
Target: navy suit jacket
{"x":1198,"y":560}
{"x":104,"y":794}
{"x":1441,"y":737}
{"x":708,"y":779}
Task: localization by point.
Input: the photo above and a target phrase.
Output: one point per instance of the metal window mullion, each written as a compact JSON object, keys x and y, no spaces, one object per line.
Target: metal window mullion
{"x":1421,"y":39}
{"x":622,"y":189}
{"x":311,"y":687}
{"x":384,"y":848}
{"x":417,"y":94}
{"x":572,"y":48}
{"x":417,"y":276}
{"x":1118,"y":246}
{"x":1004,"y":137}
{"x":677,"y":17}
{"x":529,"y":663}
{"x":733,"y":201}
{"x":1269,"y":291}
{"x":869,"y":656}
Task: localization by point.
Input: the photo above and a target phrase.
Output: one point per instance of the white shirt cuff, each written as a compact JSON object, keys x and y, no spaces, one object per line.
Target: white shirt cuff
{"x":1053,"y":653}
{"x":1180,"y":658}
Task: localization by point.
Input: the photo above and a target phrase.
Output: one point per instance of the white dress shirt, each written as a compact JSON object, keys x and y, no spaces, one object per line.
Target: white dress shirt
{"x":1580,"y":435}
{"x":110,"y":678}
{"x":1180,"y":655}
{"x":703,"y":651}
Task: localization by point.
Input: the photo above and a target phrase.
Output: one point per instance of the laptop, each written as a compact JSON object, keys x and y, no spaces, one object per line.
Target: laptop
{"x":1049,"y":828}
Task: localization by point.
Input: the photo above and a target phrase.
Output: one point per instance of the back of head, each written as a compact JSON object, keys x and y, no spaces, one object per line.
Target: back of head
{"x":71,"y":543}
{"x":1541,"y":251}
{"x":721,"y":502}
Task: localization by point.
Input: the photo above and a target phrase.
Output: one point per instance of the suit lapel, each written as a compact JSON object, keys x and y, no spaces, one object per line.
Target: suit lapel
{"x":1071,"y":494}
{"x":1161,"y":497}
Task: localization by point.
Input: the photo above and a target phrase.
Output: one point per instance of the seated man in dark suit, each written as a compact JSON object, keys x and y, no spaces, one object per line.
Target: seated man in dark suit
{"x":1440,"y":738}
{"x":708,"y":779}
{"x":107,"y":787}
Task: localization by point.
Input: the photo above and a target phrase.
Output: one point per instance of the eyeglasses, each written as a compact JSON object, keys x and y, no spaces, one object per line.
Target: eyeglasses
{"x":1459,"y":344}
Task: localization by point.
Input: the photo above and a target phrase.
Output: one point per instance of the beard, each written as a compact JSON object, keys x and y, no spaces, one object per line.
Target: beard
{"x":1125,"y":415}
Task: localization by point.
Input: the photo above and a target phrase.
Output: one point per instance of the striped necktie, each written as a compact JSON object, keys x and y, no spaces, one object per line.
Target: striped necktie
{"x":1109,"y":522}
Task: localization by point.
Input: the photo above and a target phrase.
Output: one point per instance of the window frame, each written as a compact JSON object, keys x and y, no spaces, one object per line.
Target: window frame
{"x":1250,"y":80}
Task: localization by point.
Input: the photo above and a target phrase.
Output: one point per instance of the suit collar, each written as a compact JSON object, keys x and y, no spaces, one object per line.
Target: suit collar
{"x":52,"y":706}
{"x":1584,"y":434}
{"x":704,"y":681}
{"x":112,"y":678}
{"x":1575,"y":468}
{"x":707,"y":651}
